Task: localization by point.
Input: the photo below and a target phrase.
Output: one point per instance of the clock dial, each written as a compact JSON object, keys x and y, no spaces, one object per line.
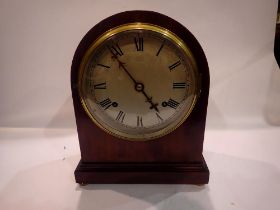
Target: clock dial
{"x":138,"y":82}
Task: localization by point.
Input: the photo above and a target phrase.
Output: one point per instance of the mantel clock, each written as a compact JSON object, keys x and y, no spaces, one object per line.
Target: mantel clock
{"x":140,"y":84}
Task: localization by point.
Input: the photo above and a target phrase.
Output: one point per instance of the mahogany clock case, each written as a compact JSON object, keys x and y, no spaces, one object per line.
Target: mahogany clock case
{"x":175,"y":158}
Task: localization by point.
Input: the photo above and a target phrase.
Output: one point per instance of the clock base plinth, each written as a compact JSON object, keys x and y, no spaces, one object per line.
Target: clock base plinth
{"x":142,"y":173}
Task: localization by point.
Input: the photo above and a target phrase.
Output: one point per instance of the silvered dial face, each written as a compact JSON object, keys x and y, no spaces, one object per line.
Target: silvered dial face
{"x":138,"y":82}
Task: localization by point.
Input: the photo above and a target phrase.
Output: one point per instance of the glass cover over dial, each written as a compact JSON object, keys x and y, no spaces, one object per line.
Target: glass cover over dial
{"x":138,"y":81}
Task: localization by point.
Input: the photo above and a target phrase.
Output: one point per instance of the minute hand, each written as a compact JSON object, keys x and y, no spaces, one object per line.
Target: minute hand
{"x":139,"y":87}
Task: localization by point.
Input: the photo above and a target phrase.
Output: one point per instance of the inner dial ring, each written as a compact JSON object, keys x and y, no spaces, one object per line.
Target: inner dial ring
{"x":138,"y":82}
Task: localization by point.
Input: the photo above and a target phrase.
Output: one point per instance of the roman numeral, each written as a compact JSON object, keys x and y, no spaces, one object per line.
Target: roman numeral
{"x":172,"y":103}
{"x":120,"y":116}
{"x":160,"y":48}
{"x":139,"y":42}
{"x":116,"y":50}
{"x":100,"y":86}
{"x":139,"y":121}
{"x":102,"y":65}
{"x":159,"y":117}
{"x":178,"y":85}
{"x":174,"y":65}
{"x":106,"y":103}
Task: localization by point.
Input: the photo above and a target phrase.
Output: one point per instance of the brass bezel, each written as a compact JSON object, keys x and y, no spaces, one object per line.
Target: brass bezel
{"x":138,"y":26}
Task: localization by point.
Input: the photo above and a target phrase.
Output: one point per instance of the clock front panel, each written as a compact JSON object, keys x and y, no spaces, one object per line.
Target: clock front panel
{"x":138,"y":82}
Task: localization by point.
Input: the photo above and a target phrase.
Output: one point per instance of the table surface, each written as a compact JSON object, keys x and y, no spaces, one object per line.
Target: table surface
{"x":37,"y":168}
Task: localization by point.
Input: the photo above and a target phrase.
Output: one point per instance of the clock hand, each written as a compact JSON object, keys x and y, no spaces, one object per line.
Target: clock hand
{"x":149,"y":99}
{"x":139,"y":87}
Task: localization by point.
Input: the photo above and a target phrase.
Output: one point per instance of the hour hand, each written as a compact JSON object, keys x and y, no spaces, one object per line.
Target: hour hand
{"x":139,"y":87}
